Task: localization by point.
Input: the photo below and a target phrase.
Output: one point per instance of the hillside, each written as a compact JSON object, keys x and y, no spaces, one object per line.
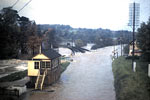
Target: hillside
{"x":100,"y":37}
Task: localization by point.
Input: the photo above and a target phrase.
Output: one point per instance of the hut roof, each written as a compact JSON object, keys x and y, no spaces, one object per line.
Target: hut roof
{"x":52,"y":54}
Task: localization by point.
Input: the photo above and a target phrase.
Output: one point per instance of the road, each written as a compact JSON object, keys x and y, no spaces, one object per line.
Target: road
{"x":88,"y":77}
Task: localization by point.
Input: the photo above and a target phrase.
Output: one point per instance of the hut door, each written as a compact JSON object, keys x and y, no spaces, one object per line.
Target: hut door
{"x":41,"y":68}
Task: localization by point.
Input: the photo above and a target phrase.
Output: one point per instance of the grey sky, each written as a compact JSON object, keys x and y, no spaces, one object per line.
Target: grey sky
{"x":111,"y":14}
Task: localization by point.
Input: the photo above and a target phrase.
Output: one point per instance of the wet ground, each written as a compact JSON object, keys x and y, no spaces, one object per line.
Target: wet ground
{"x":11,"y":66}
{"x":88,"y":77}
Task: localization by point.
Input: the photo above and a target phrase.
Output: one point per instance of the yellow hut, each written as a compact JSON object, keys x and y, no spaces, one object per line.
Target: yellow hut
{"x":44,"y":68}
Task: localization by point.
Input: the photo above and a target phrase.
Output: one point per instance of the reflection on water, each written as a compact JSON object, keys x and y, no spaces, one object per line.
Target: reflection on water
{"x":89,"y":77}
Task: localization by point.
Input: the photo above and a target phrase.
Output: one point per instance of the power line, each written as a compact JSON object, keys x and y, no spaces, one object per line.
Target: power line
{"x":15,"y":3}
{"x":24,"y":6}
{"x":19,"y":10}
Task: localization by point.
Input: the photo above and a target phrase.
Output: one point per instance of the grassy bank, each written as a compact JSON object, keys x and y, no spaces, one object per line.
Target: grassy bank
{"x":14,"y":76}
{"x":131,"y":85}
{"x":64,"y":66}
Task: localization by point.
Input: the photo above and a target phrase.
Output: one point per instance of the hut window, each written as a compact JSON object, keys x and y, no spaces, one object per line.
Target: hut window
{"x":36,"y":65}
{"x":47,"y":64}
{"x":43,"y":64}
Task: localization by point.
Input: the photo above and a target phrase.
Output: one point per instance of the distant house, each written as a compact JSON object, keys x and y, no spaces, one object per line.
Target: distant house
{"x":137,"y":51}
{"x":44,"y":68}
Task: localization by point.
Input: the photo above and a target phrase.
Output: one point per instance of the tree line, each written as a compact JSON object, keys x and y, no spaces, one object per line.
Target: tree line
{"x":21,"y":37}
{"x":81,"y":36}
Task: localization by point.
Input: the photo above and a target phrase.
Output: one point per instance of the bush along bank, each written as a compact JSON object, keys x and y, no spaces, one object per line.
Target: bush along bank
{"x":64,"y":66}
{"x":131,"y":85}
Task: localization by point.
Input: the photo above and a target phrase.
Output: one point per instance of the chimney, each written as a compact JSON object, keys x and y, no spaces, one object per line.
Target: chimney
{"x":40,"y":51}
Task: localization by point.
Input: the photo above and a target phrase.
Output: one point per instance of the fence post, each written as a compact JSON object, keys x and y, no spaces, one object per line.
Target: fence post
{"x":134,"y":66}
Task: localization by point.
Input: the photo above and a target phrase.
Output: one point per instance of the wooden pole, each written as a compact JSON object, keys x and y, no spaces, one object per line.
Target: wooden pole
{"x":133,"y":34}
{"x":149,"y":70}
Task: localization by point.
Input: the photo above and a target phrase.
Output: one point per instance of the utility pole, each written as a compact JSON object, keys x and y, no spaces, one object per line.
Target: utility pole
{"x":134,"y":21}
{"x":133,"y":35}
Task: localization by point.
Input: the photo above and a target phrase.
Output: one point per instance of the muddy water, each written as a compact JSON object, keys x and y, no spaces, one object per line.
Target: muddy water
{"x":88,"y":77}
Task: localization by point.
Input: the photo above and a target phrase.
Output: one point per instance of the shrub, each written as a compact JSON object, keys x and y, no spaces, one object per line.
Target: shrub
{"x":64,"y":66}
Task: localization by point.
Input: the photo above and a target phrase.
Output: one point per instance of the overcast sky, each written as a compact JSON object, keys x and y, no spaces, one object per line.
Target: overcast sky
{"x":110,"y":14}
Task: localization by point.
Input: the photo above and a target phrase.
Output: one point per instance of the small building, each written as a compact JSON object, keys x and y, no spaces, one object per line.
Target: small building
{"x":137,"y":51}
{"x":44,"y":68}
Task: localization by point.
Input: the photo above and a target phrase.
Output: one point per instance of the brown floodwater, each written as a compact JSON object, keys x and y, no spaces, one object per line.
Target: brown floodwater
{"x":88,"y":77}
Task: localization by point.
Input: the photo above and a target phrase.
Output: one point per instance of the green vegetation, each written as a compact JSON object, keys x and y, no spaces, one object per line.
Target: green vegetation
{"x":64,"y":66}
{"x":14,"y":76}
{"x":18,"y":34}
{"x":131,"y":85}
{"x":81,"y":36}
{"x":79,"y":43}
{"x":143,"y":40}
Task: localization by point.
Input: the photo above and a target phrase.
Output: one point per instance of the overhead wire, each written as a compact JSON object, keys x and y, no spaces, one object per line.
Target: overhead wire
{"x":24,"y":6}
{"x":15,"y":3}
{"x":18,"y":10}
